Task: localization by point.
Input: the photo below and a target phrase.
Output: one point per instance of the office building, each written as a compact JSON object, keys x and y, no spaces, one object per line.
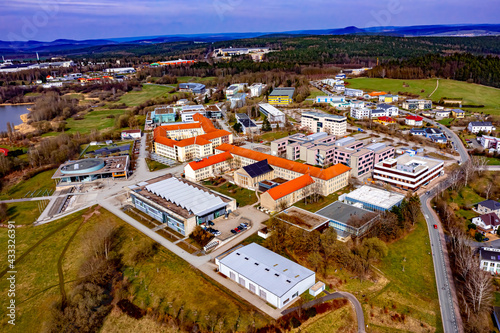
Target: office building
{"x":323,"y":122}
{"x":371,"y":198}
{"x":281,"y":96}
{"x":273,"y":114}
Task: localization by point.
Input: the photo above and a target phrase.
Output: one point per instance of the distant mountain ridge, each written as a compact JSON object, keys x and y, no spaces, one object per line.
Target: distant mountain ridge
{"x":30,"y":47}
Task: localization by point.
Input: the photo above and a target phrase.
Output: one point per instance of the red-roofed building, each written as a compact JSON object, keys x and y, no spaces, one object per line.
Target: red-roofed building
{"x":329,"y":180}
{"x":286,"y":194}
{"x":207,"y":167}
{"x":384,"y":120}
{"x":187,"y":141}
{"x":414,"y":121}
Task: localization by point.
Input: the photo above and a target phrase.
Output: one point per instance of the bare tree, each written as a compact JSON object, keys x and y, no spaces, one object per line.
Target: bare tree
{"x":478,"y":290}
{"x":479,"y":163}
{"x":487,"y":190}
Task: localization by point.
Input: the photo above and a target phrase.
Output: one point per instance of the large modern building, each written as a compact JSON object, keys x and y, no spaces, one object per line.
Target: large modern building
{"x":417,"y":104}
{"x":195,"y":88}
{"x":408,"y":172}
{"x":178,"y":202}
{"x":187,"y":141}
{"x":328,"y":180}
{"x":315,"y":149}
{"x":237,"y":100}
{"x":490,"y":142}
{"x":323,"y":122}
{"x":273,"y":114}
{"x":90,"y":169}
{"x":372,"y":198}
{"x":281,"y":96}
{"x":247,"y":124}
{"x":348,"y":220}
{"x":330,"y":99}
{"x":272,"y":277}
{"x":162,"y":114}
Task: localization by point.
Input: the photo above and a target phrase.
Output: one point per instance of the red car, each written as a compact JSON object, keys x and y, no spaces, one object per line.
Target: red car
{"x":435,"y":226}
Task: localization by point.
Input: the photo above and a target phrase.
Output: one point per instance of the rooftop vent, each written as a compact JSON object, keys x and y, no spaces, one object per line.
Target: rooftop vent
{"x":267,"y":269}
{"x":276,"y":274}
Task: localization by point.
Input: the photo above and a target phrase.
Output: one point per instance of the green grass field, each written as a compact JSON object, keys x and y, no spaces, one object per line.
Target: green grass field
{"x":271,"y":136}
{"x":323,"y":202}
{"x":134,"y":98}
{"x":41,"y":181}
{"x":243,"y":196}
{"x":171,"y":282}
{"x":493,"y":161}
{"x":446,"y":121}
{"x":472,"y":94}
{"x":25,"y":213}
{"x":411,"y":291}
{"x":185,"y":79}
{"x":315,"y":92}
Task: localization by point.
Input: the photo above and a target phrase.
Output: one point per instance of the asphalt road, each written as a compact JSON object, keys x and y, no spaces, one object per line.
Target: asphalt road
{"x":446,"y":291}
{"x":340,"y":294}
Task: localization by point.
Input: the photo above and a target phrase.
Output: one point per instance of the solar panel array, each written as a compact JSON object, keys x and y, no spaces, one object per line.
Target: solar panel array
{"x":258,"y":168}
{"x":186,"y":196}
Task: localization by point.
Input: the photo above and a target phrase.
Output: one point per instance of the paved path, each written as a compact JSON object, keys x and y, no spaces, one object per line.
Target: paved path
{"x":340,"y":294}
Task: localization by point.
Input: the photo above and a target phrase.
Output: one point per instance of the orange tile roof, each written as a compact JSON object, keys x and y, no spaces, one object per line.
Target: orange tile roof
{"x":205,"y":123}
{"x":290,"y":186}
{"x":174,"y":127}
{"x":386,"y":119}
{"x":211,"y":160}
{"x":215,"y":134}
{"x":377,"y":93}
{"x":182,"y":143}
{"x":315,"y":172}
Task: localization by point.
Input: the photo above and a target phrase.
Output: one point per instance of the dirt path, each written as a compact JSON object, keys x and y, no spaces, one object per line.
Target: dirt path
{"x":437,"y":86}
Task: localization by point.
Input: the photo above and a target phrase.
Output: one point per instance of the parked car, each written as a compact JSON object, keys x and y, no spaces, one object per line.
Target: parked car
{"x":244,"y":225}
{"x":210,"y":223}
{"x":233,"y":231}
{"x":216,"y":233}
{"x":435,"y":226}
{"x":486,"y":239}
{"x":236,"y":230}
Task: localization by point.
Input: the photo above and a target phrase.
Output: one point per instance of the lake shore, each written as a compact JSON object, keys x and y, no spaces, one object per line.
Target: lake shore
{"x":14,"y":104}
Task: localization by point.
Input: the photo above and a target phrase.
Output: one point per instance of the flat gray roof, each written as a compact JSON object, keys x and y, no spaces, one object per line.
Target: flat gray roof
{"x":342,"y":212}
{"x":266,"y":268}
{"x":283,"y":91}
{"x":371,"y":195}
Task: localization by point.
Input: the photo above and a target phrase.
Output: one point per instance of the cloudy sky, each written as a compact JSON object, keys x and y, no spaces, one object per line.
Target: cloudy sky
{"x":80,"y":19}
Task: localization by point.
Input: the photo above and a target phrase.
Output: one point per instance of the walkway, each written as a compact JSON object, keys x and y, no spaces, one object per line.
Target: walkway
{"x":437,"y":86}
{"x":340,"y":294}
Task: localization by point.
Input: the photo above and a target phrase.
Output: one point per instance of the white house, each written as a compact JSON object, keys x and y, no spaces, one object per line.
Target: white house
{"x":131,"y":134}
{"x":487,"y":222}
{"x":443,"y":113}
{"x":353,"y":92}
{"x":360,"y":113}
{"x":330,"y":99}
{"x":389,"y":110}
{"x":255,"y":89}
{"x":489,"y":142}
{"x":480,"y":126}
{"x":356,"y":104}
{"x":414,"y":121}
{"x":275,"y":279}
{"x":490,"y":259}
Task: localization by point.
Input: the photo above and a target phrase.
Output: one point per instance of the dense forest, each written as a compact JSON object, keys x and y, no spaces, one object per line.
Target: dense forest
{"x":463,"y":67}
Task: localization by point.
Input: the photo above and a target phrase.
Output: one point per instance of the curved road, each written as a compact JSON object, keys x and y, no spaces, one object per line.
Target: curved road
{"x":448,"y":301}
{"x":340,"y":294}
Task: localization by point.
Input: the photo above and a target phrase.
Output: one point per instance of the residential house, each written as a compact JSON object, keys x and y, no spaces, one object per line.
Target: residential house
{"x":490,"y":259}
{"x":414,"y":121}
{"x":488,"y":206}
{"x":480,"y":126}
{"x":389,"y":110}
{"x":353,"y":92}
{"x":388,"y":98}
{"x":360,"y":113}
{"x":457,"y":113}
{"x":490,"y":142}
{"x":384,"y":120}
{"x":442,"y":113}
{"x":487,"y":222}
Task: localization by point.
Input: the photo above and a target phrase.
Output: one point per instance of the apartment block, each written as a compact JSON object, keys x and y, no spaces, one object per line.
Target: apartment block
{"x":323,"y":122}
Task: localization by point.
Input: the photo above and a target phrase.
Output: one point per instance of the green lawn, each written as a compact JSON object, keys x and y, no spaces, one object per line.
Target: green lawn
{"x":135,"y":98}
{"x":154,"y":165}
{"x":467,"y":214}
{"x":446,"y":121}
{"x":25,"y":212}
{"x":196,"y":79}
{"x":472,"y":94}
{"x":94,"y":120}
{"x":493,"y":161}
{"x":275,"y":135}
{"x":41,"y":181}
{"x":315,"y":92}
{"x":467,"y":196}
{"x":323,"y":202}
{"x":413,"y":290}
{"x":243,"y":196}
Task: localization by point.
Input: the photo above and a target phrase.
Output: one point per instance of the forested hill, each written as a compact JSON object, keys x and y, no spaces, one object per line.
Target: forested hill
{"x":463,"y":67}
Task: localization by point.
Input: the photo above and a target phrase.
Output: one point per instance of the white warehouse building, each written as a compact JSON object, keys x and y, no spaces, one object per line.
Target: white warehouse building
{"x":274,"y":278}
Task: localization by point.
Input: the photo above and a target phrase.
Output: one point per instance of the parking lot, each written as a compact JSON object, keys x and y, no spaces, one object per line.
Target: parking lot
{"x":226,"y":225}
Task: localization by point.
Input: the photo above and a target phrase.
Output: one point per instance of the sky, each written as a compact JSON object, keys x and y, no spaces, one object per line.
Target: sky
{"x":47,"y":20}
